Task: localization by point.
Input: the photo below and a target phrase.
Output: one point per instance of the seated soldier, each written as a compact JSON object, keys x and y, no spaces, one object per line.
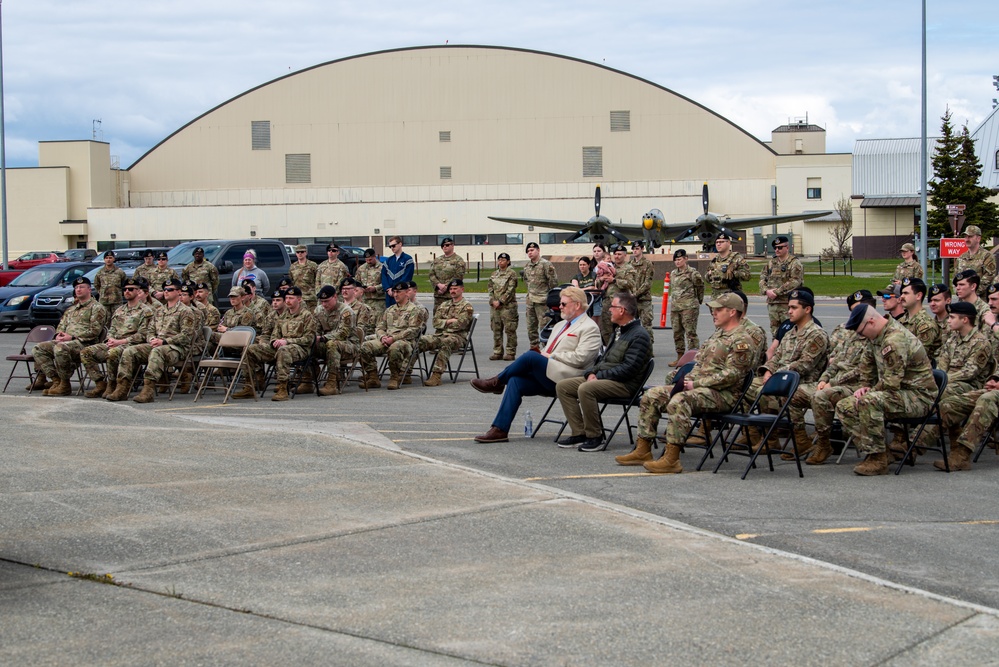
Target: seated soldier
{"x":237,"y":316}
{"x":364,"y":316}
{"x":916,"y":319}
{"x":395,"y":335}
{"x":966,"y":286}
{"x":80,"y":326}
{"x":129,"y":326}
{"x":905,"y":387}
{"x":452,"y":320}
{"x":336,"y":337}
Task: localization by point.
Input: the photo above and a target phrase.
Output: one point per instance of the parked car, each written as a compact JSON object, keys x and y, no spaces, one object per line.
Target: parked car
{"x":79,"y":255}
{"x":133,"y":255}
{"x":48,"y":305}
{"x":30,"y":259}
{"x":227,"y":256}
{"x":16,"y":298}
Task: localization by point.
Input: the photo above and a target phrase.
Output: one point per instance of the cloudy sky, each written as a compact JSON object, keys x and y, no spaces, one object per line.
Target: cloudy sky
{"x":146,"y":68}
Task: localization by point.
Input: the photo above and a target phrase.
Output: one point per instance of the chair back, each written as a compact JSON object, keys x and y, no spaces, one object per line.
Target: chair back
{"x":681,"y":375}
{"x":253,"y":332}
{"x":781,"y":383}
{"x":237,"y":337}
{"x":40,"y":334}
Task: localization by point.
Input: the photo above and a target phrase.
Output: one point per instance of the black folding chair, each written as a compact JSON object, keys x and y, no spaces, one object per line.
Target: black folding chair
{"x":931,"y":418}
{"x":626,"y":404}
{"x":781,"y":386}
{"x":715,"y":418}
{"x":40,"y":334}
{"x":545,"y":420}
{"x":467,"y":348}
{"x":985,"y":440}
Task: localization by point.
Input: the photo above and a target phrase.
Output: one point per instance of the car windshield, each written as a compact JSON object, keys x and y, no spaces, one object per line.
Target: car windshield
{"x":38,"y":277}
{"x":184,"y":253}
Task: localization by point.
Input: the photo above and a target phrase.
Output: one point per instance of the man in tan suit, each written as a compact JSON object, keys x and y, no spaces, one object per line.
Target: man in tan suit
{"x":573,"y":346}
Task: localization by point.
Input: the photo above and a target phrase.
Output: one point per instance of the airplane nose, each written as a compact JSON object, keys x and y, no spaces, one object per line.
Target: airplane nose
{"x":648,"y":222}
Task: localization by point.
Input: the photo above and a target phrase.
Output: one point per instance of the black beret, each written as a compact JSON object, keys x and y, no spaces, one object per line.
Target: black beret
{"x":993,"y":288}
{"x":967,"y":274}
{"x":782,"y":330}
{"x":333,"y":246}
{"x":203,"y":286}
{"x":457,"y":282}
{"x":173,"y":282}
{"x":916,"y":284}
{"x":197,"y":250}
{"x":401,"y":285}
{"x":162,"y":255}
{"x":962,"y":308}
{"x":279,"y":294}
{"x":294,"y":290}
{"x":503,"y":255}
{"x":82,"y":280}
{"x":939,"y":288}
{"x":680,"y":253}
{"x":532,"y":244}
{"x":446,"y":241}
{"x":803,"y":296}
{"x":148,"y":253}
{"x":327,"y":291}
{"x":285,"y":282}
{"x":187,"y":288}
{"x":779,"y":240}
{"x":723,"y":237}
{"x":638,"y":243}
{"x":858,"y":315}
{"x":349,"y":282}
{"x":859,"y":295}
{"x":370,"y":252}
{"x":110,"y":253}
{"x":246,"y":282}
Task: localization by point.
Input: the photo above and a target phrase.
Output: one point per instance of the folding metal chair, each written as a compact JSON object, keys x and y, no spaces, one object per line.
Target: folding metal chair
{"x":195,"y":353}
{"x":715,"y":418}
{"x":545,"y":420}
{"x":627,"y":403}
{"x":40,"y":334}
{"x":985,"y":440}
{"x":931,"y":418}
{"x":468,"y":348}
{"x":232,"y":340}
{"x":781,"y":385}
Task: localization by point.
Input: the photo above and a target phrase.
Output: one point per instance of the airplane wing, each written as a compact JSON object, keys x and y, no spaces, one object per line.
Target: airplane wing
{"x":564,"y":225}
{"x":745,"y":223}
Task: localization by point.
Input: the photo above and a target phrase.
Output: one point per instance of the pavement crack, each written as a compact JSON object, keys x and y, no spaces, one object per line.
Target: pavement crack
{"x":905,"y":650}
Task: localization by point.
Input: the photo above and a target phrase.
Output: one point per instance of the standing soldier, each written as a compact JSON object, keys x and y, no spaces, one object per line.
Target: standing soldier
{"x":687,"y":294}
{"x":397,"y":331}
{"x":129,"y":326}
{"x":539,"y":276}
{"x":451,"y":324}
{"x":147,"y":267}
{"x":336,"y":337}
{"x":200,"y":271}
{"x":108,"y":282}
{"x":79,"y":327}
{"x":728,"y":268}
{"x":333,"y":270}
{"x":643,"y":284}
{"x":978,"y":259}
{"x":160,"y":275}
{"x":622,"y":281}
{"x":782,"y":275}
{"x":503,"y":315}
{"x":909,"y":267}
{"x":443,"y":270}
{"x":303,"y":275}
{"x":369,"y":278}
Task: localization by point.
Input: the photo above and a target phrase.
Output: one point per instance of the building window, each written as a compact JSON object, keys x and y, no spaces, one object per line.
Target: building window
{"x":814,"y":188}
{"x":514,"y":239}
{"x":444,"y":136}
{"x":445,"y":172}
{"x":815,"y":193}
{"x":260,"y":135}
{"x":620,"y":121}
{"x":593,"y":162}
{"x":298,"y":168}
{"x":546,"y":238}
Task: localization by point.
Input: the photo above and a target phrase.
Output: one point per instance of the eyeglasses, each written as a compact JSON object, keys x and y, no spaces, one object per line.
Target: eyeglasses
{"x":780,"y":247}
{"x":393,"y":245}
{"x":448,"y":245}
{"x":334,"y":250}
{"x":618,"y":307}
{"x":129,"y":289}
{"x":169,"y":289}
{"x":300,"y":252}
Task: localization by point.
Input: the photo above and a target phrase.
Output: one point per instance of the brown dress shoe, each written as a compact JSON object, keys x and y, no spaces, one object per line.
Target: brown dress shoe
{"x":488,"y":386}
{"x":509,"y":357}
{"x":495,"y":356}
{"x":493,"y":435}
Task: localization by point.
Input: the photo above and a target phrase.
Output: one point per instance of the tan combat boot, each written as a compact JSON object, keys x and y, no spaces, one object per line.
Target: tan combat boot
{"x":184,"y":384}
{"x":408,"y":379}
{"x":305,"y":386}
{"x":823,"y":450}
{"x":395,"y":380}
{"x":639,"y":455}
{"x":332,"y":385}
{"x":874,"y":464}
{"x":62,"y":387}
{"x":245,"y":392}
{"x":281,"y":392}
{"x":98,"y":390}
{"x":39,"y":382}
{"x":112,"y":387}
{"x":959,"y":459}
{"x":669,"y":463}
{"x":371,"y":380}
{"x":802,"y":442}
{"x":148,"y":393}
{"x":122,"y":387}
{"x":701,"y":437}
{"x":434,"y":380}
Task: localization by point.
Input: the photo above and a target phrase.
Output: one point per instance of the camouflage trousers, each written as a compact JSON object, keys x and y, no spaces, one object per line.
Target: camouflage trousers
{"x":337,"y":353}
{"x":985,"y":412}
{"x":399,"y":354}
{"x":679,"y":409}
{"x":684,"y":323}
{"x":535,"y":316}
{"x":824,"y":405}
{"x":777,"y":310}
{"x":801,"y":401}
{"x":504,"y":320}
{"x":445,"y":344}
{"x":57,"y":359}
{"x":283,"y":357}
{"x":864,"y":418}
{"x":158,"y":360}
{"x":91,"y":357}
{"x":956,"y":404}
{"x":645,"y":314}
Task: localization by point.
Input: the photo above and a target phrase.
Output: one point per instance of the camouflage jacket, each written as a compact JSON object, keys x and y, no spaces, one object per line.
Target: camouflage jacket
{"x":907,"y":269}
{"x":444,"y":270}
{"x":304,"y":277}
{"x":84,"y":321}
{"x":264,"y":316}
{"x":782,"y":277}
{"x":723,"y":361}
{"x":212,"y":316}
{"x":851,"y":360}
{"x":401,"y":322}
{"x":202,"y":273}
{"x":686,"y":288}
{"x":643,"y":278}
{"x":131,"y":323}
{"x":461,"y":311}
{"x":371,"y":276}
{"x":966,"y":359}
{"x":244,"y":317}
{"x":298,"y":329}
{"x":805,"y":352}
{"x":719,"y":269}
{"x":503,"y":286}
{"x":144,"y":271}
{"x":759,"y":337}
{"x":539,"y":277}
{"x":108,"y":284}
{"x":159,"y":276}
{"x":175,"y":326}
{"x":902,"y":362}
{"x":624,"y":281}
{"x":333,"y":273}
{"x":337,"y":324}
{"x":364,"y":317}
{"x":922,"y":326}
{"x":983,"y":263}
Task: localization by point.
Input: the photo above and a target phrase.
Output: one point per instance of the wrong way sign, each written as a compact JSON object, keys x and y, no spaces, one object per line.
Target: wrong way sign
{"x":952,"y":248}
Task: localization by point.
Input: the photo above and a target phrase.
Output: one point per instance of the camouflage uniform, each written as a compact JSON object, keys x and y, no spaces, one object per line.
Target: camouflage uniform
{"x":336,"y":336}
{"x":719,"y":371}
{"x":851,"y":366}
{"x":108,"y":283}
{"x":364,"y":317}
{"x":333,"y":273}
{"x":83,"y":321}
{"x":981,"y":262}
{"x":922,"y":326}
{"x":805,"y":352}
{"x":644,"y":272}
{"x":128,"y":323}
{"x":205,"y":272}
{"x":505,"y":319}
{"x":371,"y":276}
{"x":159,"y":276}
{"x":244,"y":317}
{"x":444,"y":270}
{"x":448,"y":337}
{"x":144,"y":271}
{"x":208,"y":316}
{"x":624,"y":281}
{"x":909,"y":268}
{"x":540,"y":278}
{"x":783,"y":278}
{"x":759,"y":337}
{"x":298,"y":330}
{"x":985,"y":412}
{"x":734,"y":265}
{"x":905,"y":388}
{"x":687,"y":294}
{"x":403,"y":324}
{"x":982,"y":309}
{"x":175,"y":326}
{"x":305,"y":277}
{"x":265,"y":318}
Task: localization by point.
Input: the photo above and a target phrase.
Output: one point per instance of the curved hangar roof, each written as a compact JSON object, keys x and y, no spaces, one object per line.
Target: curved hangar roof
{"x":491,"y":114}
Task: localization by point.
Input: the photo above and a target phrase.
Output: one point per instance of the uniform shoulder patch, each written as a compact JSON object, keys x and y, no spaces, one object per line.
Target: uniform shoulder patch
{"x":741,"y":347}
{"x":886,"y":350}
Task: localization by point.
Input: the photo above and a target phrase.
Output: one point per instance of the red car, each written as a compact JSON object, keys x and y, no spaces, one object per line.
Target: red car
{"x":30,"y":259}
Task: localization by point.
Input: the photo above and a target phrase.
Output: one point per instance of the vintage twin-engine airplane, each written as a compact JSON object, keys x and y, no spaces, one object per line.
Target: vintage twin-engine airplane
{"x":654,"y":229}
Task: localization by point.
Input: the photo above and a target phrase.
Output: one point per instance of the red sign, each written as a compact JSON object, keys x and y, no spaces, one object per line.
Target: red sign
{"x":952,"y":248}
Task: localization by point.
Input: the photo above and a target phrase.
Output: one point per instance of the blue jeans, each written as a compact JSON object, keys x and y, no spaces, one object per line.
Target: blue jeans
{"x":524,"y":377}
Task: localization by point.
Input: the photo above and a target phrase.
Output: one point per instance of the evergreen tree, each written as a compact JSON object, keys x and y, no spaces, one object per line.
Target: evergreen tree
{"x":979,"y":210}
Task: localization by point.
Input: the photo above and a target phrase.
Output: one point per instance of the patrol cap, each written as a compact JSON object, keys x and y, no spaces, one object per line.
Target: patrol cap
{"x":503,"y":255}
{"x":972,"y":230}
{"x":370,"y":252}
{"x":457,"y":282}
{"x":858,"y":315}
{"x":532,"y":244}
{"x":723,"y":237}
{"x":236,"y":292}
{"x":680,"y":253}
{"x":803,"y":296}
{"x":728,"y":300}
{"x":162,"y":255}
{"x":82,"y":280}
{"x":246,"y":283}
{"x":778,"y":241}
{"x":301,"y":248}
{"x":908,"y":246}
{"x":962,"y":308}
{"x":446,"y":241}
{"x":203,"y":286}
{"x":968,"y":274}
{"x":915,"y":284}
{"x":173,"y":282}
{"x":110,"y":253}
{"x":197,"y":250}
{"x":859,"y":295}
{"x":332,"y":247}
{"x":892,"y":290}
{"x":940,"y":288}
{"x":326,"y":292}
{"x":294,"y":290}
{"x":187,"y":288}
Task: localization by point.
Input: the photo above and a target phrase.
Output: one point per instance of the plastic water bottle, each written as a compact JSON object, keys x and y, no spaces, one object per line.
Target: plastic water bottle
{"x":528,"y":424}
